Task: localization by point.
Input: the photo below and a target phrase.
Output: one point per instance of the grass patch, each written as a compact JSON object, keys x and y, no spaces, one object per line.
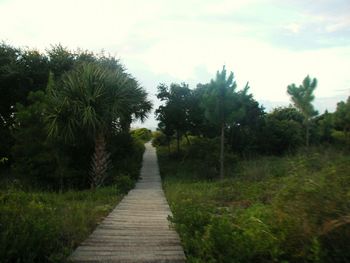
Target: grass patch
{"x":46,"y":227}
{"x":294,"y":208}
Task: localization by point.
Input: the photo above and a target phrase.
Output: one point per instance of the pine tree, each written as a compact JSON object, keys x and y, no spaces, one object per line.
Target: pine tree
{"x":302,"y":98}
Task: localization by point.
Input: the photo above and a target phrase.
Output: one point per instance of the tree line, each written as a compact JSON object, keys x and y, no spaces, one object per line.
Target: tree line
{"x":64,"y":113}
{"x":218,"y":109}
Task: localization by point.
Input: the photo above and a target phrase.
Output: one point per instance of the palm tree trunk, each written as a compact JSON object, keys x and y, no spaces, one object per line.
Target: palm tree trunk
{"x":99,"y":162}
{"x":222,"y":145}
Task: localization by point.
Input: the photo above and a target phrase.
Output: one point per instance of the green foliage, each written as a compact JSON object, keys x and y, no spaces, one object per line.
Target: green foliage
{"x":90,"y":98}
{"x":61,"y":60}
{"x":226,"y":108}
{"x":174,"y":115}
{"x":284,"y":209}
{"x":283,"y":131}
{"x":125,"y":183}
{"x":302,"y":96}
{"x":142,"y":134}
{"x":219,"y":99}
{"x":25,"y":71}
{"x":21,"y":71}
{"x":44,"y":163}
{"x":126,"y":158}
{"x":244,"y":135}
{"x":325,"y":126}
{"x":46,"y":227}
{"x":33,"y":154}
{"x":99,"y":101}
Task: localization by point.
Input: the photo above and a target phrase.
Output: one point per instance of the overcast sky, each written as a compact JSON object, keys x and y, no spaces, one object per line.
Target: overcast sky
{"x":270,"y":43}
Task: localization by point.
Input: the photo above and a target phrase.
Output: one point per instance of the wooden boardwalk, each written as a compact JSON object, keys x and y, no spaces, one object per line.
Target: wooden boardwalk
{"x":137,"y":230}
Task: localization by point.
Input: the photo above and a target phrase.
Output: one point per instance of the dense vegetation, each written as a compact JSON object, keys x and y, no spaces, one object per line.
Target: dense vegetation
{"x":66,"y":115}
{"x":291,"y":208}
{"x":218,"y":110}
{"x":283,"y":194}
{"x":64,"y":127}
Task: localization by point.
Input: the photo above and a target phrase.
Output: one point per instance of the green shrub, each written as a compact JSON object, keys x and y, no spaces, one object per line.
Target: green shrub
{"x":191,"y":220}
{"x":124,"y":183}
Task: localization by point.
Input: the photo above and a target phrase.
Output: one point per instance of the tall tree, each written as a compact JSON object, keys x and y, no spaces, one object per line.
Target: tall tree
{"x":302,"y":98}
{"x":95,"y":100}
{"x":219,"y":104}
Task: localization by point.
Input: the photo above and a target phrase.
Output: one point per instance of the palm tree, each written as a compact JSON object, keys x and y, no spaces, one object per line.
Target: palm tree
{"x":95,"y":99}
{"x":302,"y":98}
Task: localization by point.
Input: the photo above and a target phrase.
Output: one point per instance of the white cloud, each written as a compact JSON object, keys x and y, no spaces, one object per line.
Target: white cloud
{"x":337,"y":24}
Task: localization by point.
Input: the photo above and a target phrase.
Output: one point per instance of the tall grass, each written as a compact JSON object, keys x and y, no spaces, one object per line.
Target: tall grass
{"x":294,"y":208}
{"x":46,"y":227}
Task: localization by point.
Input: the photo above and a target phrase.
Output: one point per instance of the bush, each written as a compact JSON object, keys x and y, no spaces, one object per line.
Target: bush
{"x":126,"y":161}
{"x":124,"y":183}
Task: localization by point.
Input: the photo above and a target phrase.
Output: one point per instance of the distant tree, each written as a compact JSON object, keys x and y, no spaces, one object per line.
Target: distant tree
{"x":174,"y":116}
{"x":142,"y":134}
{"x":93,"y":99}
{"x":287,"y":114}
{"x":220,"y":104}
{"x":342,"y":117}
{"x":245,"y":129}
{"x":324,"y":127}
{"x":302,"y":98}
{"x":283,"y":131}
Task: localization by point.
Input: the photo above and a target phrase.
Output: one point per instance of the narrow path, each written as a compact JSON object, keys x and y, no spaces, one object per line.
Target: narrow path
{"x":137,"y":230}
